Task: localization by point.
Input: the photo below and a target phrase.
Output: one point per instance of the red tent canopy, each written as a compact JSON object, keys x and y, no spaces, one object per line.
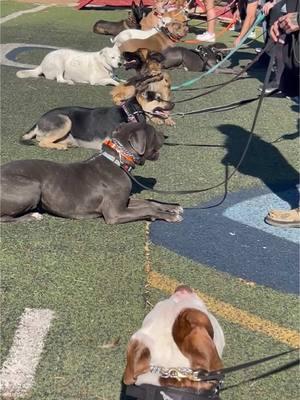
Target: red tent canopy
{"x":112,"y":3}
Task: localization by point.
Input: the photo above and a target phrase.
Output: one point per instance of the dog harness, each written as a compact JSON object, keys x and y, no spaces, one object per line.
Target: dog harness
{"x":133,"y":111}
{"x":152,"y":392}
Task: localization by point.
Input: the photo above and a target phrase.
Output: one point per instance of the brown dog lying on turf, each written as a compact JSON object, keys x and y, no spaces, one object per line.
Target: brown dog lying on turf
{"x":89,"y":189}
{"x":167,"y":37}
{"x":73,"y":126}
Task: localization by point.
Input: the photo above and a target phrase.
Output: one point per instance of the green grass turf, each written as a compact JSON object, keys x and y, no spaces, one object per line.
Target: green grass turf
{"x":91,"y":274}
{"x":9,"y":6}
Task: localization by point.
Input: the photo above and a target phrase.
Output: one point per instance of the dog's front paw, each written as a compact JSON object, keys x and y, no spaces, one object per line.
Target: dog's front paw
{"x":170,"y":122}
{"x":178,"y":210}
{"x":174,"y":218}
{"x":156,"y":121}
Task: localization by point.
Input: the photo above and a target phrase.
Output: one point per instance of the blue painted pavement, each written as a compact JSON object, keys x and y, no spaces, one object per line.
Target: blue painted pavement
{"x":233,"y":238}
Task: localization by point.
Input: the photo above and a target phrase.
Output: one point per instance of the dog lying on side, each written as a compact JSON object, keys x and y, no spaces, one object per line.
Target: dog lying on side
{"x":70,"y":66}
{"x":115,"y":27}
{"x":73,"y":126}
{"x":167,"y":37}
{"x":178,"y":333}
{"x":93,"y":188}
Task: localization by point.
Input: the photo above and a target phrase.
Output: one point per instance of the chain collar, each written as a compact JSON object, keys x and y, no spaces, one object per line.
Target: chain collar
{"x":198,"y":375}
{"x":174,"y":38}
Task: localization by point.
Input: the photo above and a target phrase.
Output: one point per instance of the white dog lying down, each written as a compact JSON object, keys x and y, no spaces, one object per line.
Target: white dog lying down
{"x":69,"y":66}
{"x":137,"y":33}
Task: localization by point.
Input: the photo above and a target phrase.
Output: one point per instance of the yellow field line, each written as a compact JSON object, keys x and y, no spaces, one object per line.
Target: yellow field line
{"x":231,"y":313}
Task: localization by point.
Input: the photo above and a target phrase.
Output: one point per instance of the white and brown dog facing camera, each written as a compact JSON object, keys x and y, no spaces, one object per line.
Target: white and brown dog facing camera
{"x":178,"y":340}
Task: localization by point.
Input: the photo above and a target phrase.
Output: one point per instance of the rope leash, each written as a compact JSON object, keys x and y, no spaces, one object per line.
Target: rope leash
{"x":190,"y":82}
{"x":235,"y":78}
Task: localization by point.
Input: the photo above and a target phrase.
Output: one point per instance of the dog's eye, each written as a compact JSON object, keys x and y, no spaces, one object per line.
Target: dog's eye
{"x":151,"y":96}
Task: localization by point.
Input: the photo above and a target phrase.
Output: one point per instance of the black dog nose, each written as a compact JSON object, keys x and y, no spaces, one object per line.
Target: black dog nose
{"x":171,"y":105}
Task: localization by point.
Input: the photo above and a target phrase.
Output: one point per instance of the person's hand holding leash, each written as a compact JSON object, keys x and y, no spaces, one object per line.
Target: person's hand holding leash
{"x":267,"y":7}
{"x":289,"y":23}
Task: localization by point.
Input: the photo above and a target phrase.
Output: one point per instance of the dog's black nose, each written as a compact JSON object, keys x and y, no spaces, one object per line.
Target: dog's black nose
{"x":171,"y":105}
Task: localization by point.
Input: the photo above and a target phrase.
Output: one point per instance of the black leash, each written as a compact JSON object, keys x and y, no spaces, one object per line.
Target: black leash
{"x":271,"y":372}
{"x":224,"y":107}
{"x":226,"y":180}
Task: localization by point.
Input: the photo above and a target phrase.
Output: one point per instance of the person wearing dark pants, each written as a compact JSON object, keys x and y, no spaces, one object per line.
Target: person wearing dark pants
{"x":288,"y":24}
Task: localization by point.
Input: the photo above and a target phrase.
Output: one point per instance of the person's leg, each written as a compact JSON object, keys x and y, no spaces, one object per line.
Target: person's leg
{"x":209,"y":35}
{"x":211,"y":16}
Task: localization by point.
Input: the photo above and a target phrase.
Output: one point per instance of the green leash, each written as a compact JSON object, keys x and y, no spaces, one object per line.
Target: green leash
{"x":258,"y":20}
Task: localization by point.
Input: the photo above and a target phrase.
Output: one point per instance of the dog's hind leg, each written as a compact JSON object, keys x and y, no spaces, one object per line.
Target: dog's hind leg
{"x":20,"y":197}
{"x":60,"y":79}
{"x":49,"y":139}
{"x":35,"y":216}
{"x":32,"y":133}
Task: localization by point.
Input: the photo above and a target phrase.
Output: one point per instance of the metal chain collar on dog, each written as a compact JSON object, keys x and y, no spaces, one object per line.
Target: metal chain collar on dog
{"x":180,"y":373}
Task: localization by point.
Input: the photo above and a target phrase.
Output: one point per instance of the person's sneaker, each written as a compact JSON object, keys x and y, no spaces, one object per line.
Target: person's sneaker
{"x":206,"y":37}
{"x":271,"y":87}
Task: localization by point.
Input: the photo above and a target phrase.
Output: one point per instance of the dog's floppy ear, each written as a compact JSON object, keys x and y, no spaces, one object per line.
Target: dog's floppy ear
{"x":193,"y":333}
{"x":138,"y":361}
{"x":122,"y":92}
{"x":138,"y":142}
{"x":153,"y":55}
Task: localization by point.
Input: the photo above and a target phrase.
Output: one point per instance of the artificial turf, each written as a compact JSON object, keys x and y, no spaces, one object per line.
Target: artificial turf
{"x":92,"y":275}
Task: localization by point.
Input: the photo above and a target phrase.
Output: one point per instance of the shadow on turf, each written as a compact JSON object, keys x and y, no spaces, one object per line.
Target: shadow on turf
{"x":149,"y":182}
{"x":263,"y":161}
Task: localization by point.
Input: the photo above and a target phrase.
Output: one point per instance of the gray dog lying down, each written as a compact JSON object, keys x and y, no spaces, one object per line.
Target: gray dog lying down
{"x":93,"y":188}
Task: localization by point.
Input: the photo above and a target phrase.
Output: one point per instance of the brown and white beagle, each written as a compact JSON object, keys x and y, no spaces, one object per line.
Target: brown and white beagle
{"x":178,"y":333}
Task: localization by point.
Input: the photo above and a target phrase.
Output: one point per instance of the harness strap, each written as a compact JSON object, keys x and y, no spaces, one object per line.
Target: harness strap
{"x":151,"y":392}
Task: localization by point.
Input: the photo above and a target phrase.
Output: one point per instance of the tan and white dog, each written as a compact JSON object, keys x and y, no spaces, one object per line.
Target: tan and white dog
{"x":70,"y":66}
{"x":128,"y":34}
{"x":178,"y":333}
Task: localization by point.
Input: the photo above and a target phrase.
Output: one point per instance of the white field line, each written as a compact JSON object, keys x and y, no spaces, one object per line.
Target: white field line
{"x":17,"y":373}
{"x":19,"y":13}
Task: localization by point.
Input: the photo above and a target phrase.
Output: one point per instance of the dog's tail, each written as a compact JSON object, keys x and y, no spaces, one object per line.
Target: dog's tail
{"x":29,"y":135}
{"x":30,"y":73}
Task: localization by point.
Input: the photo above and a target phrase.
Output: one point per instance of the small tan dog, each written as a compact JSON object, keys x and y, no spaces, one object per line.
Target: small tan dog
{"x":167,"y":37}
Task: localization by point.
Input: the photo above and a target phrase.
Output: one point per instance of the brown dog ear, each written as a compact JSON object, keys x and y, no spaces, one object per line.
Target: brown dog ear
{"x":193,"y":333}
{"x":122,"y":92}
{"x":138,"y":361}
{"x":138,"y":142}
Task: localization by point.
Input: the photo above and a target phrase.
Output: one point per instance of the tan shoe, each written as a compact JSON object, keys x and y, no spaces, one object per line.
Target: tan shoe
{"x":288,"y":219}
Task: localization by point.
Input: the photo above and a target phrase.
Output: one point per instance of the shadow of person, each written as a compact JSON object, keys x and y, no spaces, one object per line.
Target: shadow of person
{"x":263,"y":161}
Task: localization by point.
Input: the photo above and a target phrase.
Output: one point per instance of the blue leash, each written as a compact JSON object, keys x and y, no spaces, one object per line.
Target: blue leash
{"x":259,"y":19}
